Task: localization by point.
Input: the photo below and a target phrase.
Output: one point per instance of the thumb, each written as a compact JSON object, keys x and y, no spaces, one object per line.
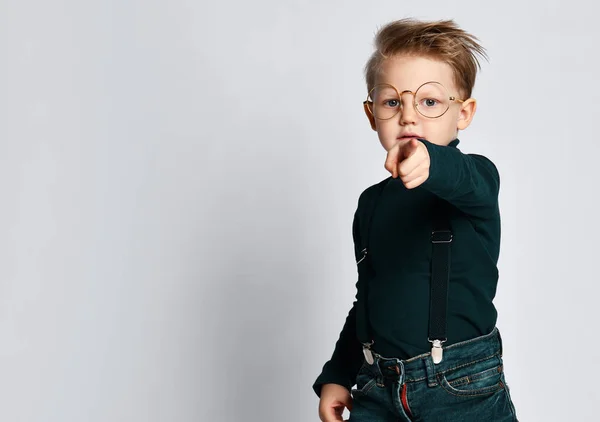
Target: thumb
{"x":348,"y":403}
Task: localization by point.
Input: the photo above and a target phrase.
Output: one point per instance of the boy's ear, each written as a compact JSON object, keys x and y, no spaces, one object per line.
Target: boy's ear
{"x":370,"y":116}
{"x":467,"y":112}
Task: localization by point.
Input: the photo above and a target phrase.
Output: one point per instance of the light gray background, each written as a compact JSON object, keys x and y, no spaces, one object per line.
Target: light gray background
{"x":178,"y":182}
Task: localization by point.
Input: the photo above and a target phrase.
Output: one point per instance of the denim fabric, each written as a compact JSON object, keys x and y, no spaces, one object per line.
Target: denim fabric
{"x":467,"y":386}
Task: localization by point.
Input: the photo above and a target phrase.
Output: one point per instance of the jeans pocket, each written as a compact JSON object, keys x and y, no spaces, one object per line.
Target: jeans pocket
{"x":365,"y":380}
{"x":475,"y":379}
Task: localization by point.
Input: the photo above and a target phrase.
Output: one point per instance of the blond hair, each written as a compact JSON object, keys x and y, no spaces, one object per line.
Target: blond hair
{"x":440,"y":40}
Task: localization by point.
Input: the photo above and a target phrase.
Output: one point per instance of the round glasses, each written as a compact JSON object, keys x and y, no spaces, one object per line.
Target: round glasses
{"x":431,"y":100}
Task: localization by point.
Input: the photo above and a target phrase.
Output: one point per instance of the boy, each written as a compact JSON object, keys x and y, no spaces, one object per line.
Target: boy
{"x":420,"y":341}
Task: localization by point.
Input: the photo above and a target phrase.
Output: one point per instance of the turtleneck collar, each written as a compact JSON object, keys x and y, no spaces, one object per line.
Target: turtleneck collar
{"x":454,"y":143}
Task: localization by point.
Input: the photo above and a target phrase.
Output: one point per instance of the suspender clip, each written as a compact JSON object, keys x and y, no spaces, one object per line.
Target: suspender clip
{"x":436,"y":350}
{"x":367,"y":352}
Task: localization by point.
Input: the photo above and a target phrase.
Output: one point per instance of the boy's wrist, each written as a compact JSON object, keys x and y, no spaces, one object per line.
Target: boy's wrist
{"x":332,"y":386}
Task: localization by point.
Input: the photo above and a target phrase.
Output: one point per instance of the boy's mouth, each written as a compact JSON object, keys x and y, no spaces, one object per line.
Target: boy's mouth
{"x":409,"y":135}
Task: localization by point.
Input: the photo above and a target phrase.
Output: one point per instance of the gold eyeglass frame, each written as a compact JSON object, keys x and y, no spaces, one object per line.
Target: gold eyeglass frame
{"x":450,"y":98}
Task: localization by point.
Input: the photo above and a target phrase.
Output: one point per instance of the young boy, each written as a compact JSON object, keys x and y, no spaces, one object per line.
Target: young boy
{"x":421,"y":342}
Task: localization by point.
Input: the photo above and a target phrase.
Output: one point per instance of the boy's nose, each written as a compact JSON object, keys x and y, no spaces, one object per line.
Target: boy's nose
{"x":408,"y":113}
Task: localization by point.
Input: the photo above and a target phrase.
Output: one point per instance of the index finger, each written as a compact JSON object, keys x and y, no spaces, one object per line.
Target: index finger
{"x":391,"y":162}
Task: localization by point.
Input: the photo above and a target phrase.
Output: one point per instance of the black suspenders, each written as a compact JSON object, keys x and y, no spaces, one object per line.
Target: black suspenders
{"x":441,"y":238}
{"x":365,"y":271}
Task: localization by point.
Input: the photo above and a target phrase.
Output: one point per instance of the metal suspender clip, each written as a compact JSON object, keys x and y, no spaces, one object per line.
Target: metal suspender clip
{"x":367,"y":352}
{"x":436,"y":350}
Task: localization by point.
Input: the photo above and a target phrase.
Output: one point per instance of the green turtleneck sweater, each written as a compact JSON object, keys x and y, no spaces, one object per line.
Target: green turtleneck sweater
{"x":400,"y":251}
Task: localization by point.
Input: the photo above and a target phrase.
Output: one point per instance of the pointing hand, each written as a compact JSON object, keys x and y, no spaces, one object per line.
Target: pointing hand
{"x":409,"y":159}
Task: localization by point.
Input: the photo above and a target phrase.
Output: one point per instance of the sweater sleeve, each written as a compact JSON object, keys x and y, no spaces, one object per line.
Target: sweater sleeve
{"x":470,"y":182}
{"x":346,"y":360}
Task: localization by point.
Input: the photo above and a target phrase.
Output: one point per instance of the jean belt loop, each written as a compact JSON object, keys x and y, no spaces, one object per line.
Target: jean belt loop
{"x":402,"y":371}
{"x":499,"y":340}
{"x":431,"y":371}
{"x":377,"y":364}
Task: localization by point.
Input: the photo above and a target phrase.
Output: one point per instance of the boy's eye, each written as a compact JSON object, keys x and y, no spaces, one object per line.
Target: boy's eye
{"x":430,"y":102}
{"x":392,"y":103}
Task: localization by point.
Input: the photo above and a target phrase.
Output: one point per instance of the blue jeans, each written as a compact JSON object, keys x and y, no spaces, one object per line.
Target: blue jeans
{"x":467,"y":386}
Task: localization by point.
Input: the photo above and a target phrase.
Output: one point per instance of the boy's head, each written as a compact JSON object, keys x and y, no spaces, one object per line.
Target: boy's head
{"x":408,"y":54}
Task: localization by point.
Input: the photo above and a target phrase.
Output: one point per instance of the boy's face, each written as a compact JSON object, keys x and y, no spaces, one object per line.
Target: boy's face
{"x":408,"y":73}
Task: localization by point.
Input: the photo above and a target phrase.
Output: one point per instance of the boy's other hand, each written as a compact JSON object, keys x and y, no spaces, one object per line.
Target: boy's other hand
{"x":334,"y":398}
{"x":409,"y":159}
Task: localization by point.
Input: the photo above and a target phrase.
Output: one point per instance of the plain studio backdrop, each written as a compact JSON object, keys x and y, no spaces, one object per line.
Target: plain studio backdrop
{"x":178,"y":183}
